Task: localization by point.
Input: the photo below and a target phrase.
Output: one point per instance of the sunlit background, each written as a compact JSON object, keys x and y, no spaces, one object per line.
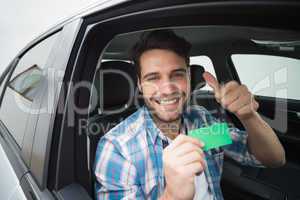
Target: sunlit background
{"x":22,"y":21}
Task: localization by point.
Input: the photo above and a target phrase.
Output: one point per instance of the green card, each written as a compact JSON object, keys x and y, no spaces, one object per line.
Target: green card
{"x":213,"y":136}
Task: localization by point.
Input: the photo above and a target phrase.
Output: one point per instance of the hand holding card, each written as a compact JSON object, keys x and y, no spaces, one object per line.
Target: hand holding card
{"x":213,"y":136}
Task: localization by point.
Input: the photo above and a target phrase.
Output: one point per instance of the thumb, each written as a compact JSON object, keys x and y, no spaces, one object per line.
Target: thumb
{"x":211,"y":81}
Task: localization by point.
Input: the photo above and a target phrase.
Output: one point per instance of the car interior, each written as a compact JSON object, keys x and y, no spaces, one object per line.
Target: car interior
{"x":93,"y":87}
{"x":114,"y":97}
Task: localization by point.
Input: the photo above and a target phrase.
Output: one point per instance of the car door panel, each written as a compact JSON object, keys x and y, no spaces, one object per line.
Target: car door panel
{"x":245,"y":182}
{"x":11,"y":169}
{"x":281,"y":115}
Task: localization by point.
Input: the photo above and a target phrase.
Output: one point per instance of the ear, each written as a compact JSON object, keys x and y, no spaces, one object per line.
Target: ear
{"x":189,"y":72}
{"x":189,"y":78}
{"x":139,"y":85}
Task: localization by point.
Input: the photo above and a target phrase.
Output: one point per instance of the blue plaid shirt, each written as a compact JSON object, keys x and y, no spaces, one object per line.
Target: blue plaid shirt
{"x":129,"y":157}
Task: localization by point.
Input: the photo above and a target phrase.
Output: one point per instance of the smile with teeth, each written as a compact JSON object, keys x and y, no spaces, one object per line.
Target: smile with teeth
{"x":168,"y":101}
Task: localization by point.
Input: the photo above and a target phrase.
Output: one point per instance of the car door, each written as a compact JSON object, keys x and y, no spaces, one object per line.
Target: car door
{"x":273,"y":80}
{"x":70,"y":168}
{"x":10,"y":187}
{"x":37,"y":183}
{"x":19,"y":113}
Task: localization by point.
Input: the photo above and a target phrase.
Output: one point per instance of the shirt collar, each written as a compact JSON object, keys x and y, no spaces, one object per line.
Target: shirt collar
{"x":153,"y":130}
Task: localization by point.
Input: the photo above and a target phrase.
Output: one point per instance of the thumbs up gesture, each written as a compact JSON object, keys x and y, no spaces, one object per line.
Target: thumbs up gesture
{"x":234,"y":97}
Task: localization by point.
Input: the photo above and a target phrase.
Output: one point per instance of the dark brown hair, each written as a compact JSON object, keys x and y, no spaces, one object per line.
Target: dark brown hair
{"x":160,"y":39}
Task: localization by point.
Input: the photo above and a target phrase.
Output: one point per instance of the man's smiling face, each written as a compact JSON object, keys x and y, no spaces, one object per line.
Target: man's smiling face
{"x":164,"y":82}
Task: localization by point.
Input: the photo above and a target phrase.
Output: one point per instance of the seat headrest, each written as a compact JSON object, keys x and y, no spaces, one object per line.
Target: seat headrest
{"x":197,"y":80}
{"x":116,"y":84}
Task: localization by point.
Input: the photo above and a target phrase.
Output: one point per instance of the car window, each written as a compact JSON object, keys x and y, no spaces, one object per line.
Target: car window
{"x":266,"y":75}
{"x":22,"y":88}
{"x":205,"y":62}
{"x":26,"y":82}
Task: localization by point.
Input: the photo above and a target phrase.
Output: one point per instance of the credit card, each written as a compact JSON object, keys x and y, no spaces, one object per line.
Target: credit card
{"x":213,"y":136}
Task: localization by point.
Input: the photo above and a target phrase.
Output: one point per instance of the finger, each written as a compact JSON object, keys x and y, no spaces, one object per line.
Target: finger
{"x":248,"y":108}
{"x":229,"y":87}
{"x":211,"y":81}
{"x":190,"y":157}
{"x":242,"y":101}
{"x":187,"y":148}
{"x":244,"y":110}
{"x":180,"y":139}
{"x":193,"y":168}
{"x":229,"y":98}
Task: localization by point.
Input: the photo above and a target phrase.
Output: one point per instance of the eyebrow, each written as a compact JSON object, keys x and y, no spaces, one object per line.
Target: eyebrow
{"x":156,"y":73}
{"x":150,"y":74}
{"x":180,"y":70}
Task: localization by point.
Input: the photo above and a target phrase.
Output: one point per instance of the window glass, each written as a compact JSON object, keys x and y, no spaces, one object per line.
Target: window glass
{"x":266,"y":75}
{"x":205,"y":62}
{"x":26,"y":83}
{"x":22,"y":88}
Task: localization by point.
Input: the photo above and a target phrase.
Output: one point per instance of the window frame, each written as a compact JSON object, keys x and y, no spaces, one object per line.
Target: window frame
{"x":25,"y":148}
{"x":12,"y":150}
{"x":6,"y":76}
{"x":45,"y":144}
{"x":20,"y":156}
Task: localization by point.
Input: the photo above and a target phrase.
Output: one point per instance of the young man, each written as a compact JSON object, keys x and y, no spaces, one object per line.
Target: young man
{"x":133,"y":160}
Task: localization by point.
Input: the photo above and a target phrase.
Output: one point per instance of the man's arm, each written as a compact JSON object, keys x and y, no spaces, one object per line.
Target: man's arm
{"x":262,"y":141}
{"x":116,"y":176}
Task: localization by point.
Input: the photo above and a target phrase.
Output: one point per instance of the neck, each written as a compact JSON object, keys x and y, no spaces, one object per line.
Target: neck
{"x":169,"y":129}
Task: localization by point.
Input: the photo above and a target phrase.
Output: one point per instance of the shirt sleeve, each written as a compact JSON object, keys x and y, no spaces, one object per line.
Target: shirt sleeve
{"x":116,"y":177}
{"x":238,"y":150}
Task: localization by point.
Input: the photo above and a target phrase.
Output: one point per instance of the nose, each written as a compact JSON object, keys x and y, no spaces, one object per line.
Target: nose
{"x":168,"y":87}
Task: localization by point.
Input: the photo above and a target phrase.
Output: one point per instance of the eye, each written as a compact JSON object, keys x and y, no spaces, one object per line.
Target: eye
{"x":152,"y":78}
{"x":179,"y":75}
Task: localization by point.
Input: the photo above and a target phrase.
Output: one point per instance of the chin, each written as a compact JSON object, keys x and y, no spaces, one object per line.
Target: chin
{"x":168,"y":119}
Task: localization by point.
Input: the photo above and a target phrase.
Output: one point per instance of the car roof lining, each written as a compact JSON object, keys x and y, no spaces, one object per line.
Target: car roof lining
{"x":203,"y":38}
